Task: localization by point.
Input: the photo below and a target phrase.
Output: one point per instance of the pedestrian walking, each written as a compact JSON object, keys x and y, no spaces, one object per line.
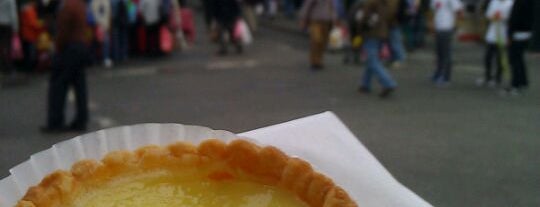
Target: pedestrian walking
{"x":354,"y":46}
{"x":68,"y":69}
{"x":395,"y":39}
{"x":497,"y":13}
{"x":9,"y":26}
{"x":446,"y":14}
{"x":520,"y":31}
{"x":102,"y":14}
{"x":31,"y":28}
{"x":150,"y":10}
{"x":248,"y":9}
{"x":226,"y":14}
{"x":120,"y":29}
{"x":375,"y":24}
{"x":318,"y":16}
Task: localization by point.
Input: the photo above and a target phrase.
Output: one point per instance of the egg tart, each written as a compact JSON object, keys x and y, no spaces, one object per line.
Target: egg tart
{"x":212,"y":174}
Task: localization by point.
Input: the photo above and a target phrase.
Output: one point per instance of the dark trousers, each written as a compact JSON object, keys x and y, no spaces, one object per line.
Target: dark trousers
{"x":493,"y":53}
{"x":68,"y":71}
{"x":5,"y":49}
{"x":226,"y":29}
{"x":152,"y":39}
{"x":30,"y":55}
{"x":444,"y":55}
{"x":517,"y":61}
{"x":120,"y":40}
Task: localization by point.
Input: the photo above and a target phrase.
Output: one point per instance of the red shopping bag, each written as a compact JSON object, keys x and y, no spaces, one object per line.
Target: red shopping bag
{"x":100,"y":34}
{"x":385,"y":52}
{"x":141,"y":39}
{"x":16,"y":48}
{"x":166,"y":42}
{"x":188,"y":25}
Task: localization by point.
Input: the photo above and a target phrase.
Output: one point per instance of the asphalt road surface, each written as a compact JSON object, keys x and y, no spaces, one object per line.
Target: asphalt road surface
{"x":460,"y":146}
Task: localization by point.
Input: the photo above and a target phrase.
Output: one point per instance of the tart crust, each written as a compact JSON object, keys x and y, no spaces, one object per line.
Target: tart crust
{"x":266,"y":165}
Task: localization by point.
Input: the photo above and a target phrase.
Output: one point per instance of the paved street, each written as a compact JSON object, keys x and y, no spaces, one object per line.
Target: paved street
{"x":459,"y":146}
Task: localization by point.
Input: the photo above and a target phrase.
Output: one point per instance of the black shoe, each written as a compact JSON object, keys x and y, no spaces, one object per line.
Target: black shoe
{"x":52,"y":130}
{"x":77,"y":128}
{"x":385,"y":93}
{"x":364,"y":90}
{"x":316,"y":68}
{"x":222,"y":52}
{"x":239,"y":50}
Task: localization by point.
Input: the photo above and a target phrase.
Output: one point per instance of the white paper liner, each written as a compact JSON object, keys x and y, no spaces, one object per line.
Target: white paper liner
{"x":323,"y":140}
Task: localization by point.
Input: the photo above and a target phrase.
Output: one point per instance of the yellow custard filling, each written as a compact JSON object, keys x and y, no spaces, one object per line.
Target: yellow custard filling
{"x":168,"y":190}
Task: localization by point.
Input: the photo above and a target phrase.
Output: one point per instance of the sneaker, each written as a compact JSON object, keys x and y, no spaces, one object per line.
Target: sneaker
{"x":510,"y":92}
{"x":396,"y":65}
{"x":480,"y":82}
{"x":316,"y":67}
{"x":492,"y":84}
{"x":108,"y":63}
{"x":53,"y":130}
{"x":442,"y":84}
{"x":364,"y":90}
{"x":385,"y":93}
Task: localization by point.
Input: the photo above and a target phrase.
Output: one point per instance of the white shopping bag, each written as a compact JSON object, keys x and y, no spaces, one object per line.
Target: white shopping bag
{"x":242,"y":32}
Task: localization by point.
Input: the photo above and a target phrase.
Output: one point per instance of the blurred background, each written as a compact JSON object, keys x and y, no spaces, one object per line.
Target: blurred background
{"x":471,"y":140}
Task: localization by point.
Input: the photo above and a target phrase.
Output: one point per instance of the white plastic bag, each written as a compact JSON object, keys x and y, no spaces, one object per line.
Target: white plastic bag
{"x":242,"y":32}
{"x":337,"y":39}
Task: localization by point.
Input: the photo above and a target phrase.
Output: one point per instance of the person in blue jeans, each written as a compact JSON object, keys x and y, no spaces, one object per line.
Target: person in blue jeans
{"x":376,"y":21}
{"x":395,"y":39}
{"x":397,"y":50}
{"x":374,"y":67}
{"x":120,"y":28}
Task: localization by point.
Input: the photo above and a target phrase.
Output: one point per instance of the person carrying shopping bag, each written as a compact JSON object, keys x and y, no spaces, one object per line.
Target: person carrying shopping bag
{"x":102,"y":13}
{"x":318,"y":16}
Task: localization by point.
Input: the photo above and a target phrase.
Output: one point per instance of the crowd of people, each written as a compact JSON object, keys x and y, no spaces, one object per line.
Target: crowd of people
{"x":66,"y":36}
{"x":114,"y":30}
{"x":376,"y":27}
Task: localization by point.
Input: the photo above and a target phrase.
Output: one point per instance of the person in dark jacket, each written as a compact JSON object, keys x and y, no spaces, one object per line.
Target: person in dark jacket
{"x":520,"y":27}
{"x":68,"y":69}
{"x":376,"y":23}
{"x":535,"y":40}
{"x":226,"y":13}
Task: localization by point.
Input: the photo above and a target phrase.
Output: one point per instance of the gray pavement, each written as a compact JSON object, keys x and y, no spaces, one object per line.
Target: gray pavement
{"x":459,"y":146}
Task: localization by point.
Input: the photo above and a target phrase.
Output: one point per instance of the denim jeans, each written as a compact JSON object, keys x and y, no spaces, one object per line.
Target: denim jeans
{"x":443,"y":45}
{"x":374,"y":66}
{"x":106,"y":46}
{"x":397,"y":49}
{"x":120,"y":43}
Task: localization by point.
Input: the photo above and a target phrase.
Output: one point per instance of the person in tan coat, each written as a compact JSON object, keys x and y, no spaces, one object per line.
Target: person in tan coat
{"x":318,"y":16}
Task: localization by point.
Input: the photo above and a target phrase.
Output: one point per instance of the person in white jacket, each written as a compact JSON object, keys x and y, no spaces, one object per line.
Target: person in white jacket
{"x":150,"y":10}
{"x":498,"y":13}
{"x":102,"y":15}
{"x":446,"y":14}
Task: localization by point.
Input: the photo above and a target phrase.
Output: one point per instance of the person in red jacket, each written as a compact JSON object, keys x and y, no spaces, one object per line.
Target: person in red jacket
{"x":31,"y":28}
{"x":68,"y":69}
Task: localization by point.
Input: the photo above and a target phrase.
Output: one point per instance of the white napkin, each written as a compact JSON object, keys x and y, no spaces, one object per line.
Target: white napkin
{"x":332,"y":149}
{"x":322,"y":139}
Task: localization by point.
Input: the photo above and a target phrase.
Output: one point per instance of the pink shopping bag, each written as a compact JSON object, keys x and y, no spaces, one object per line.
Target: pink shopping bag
{"x":16,"y":48}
